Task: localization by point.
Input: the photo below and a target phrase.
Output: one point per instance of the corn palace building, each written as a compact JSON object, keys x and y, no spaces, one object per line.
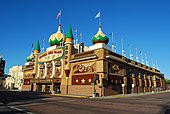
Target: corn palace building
{"x":69,"y":69}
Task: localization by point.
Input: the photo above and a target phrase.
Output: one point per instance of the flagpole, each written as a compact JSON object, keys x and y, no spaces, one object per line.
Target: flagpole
{"x":146,"y":60}
{"x":137,"y":58}
{"x":130,"y":52}
{"x":99,"y":21}
{"x":76,"y":36}
{"x":123,"y":52}
{"x":112,"y":43}
{"x":60,"y":18}
{"x":32,"y":47}
{"x":80,"y":37}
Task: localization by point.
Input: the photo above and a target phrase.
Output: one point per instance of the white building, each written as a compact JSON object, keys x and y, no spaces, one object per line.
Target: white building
{"x":9,"y":82}
{"x":16,"y":73}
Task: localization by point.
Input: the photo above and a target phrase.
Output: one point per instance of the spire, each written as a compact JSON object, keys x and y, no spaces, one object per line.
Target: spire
{"x":69,"y":33}
{"x":59,"y":27}
{"x":37,"y":46}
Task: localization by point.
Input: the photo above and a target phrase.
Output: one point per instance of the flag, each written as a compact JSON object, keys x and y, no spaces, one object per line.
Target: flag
{"x":32,"y":45}
{"x":59,"y":13}
{"x":98,"y":15}
{"x":110,"y":34}
{"x":75,"y":30}
{"x":80,"y":34}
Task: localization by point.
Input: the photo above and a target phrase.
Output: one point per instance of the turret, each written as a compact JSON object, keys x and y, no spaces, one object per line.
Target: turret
{"x":37,"y":48}
{"x":69,"y":48}
{"x":36,"y":52}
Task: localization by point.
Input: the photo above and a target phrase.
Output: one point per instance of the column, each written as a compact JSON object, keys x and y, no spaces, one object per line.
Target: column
{"x":53,"y":71}
{"x":134,"y":88}
{"x":145,"y":81}
{"x":52,"y":88}
{"x":140,"y":83}
{"x":150,"y":83}
{"x":124,"y":87}
{"x":45,"y":70}
{"x":154,"y":83}
{"x":38,"y":74}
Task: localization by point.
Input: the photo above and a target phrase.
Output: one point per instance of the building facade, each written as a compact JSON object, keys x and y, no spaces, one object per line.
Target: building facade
{"x":15,"y":78}
{"x":69,"y":69}
{"x":2,"y":68}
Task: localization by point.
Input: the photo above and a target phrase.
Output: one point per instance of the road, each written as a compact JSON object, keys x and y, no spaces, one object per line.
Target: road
{"x":38,"y":103}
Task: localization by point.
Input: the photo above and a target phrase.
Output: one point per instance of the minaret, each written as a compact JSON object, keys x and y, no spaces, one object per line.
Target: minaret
{"x":69,"y":48}
{"x":35,"y":53}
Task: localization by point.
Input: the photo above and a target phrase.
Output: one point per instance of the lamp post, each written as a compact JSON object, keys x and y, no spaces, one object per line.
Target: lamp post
{"x":94,"y":83}
{"x":67,"y":85}
{"x":152,"y":89}
{"x":123,"y":90}
{"x":133,"y":85}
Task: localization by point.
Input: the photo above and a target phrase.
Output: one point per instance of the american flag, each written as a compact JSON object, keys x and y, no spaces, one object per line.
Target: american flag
{"x":59,"y":13}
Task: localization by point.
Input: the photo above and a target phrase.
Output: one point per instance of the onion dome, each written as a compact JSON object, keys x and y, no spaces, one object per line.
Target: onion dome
{"x":56,"y":38}
{"x":30,"y":57}
{"x":100,"y":37}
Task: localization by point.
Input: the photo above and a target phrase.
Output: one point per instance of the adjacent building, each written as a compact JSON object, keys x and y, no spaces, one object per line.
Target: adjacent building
{"x":76,"y":69}
{"x":14,"y":80}
{"x":2,"y":68}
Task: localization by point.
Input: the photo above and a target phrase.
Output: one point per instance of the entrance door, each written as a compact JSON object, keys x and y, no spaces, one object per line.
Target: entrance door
{"x":129,"y":85}
{"x":39,"y":88}
{"x":47,"y":88}
{"x":57,"y":87}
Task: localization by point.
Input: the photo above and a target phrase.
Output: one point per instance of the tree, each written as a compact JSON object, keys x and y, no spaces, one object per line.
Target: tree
{"x":167,"y":81}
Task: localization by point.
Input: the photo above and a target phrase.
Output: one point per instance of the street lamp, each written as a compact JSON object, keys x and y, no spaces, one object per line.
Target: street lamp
{"x":152,"y":89}
{"x":67,"y":85}
{"x":94,"y":83}
{"x":123,"y":90}
{"x":133,"y":85}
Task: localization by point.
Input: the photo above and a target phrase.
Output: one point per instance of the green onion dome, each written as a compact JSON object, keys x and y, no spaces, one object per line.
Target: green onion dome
{"x":100,"y":37}
{"x":57,"y":38}
{"x":30,"y":58}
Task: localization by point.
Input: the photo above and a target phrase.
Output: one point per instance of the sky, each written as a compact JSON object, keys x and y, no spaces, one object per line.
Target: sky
{"x":142,"y":24}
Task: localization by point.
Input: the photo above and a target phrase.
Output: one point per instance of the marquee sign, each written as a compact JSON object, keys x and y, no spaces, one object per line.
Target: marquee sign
{"x":51,"y":55}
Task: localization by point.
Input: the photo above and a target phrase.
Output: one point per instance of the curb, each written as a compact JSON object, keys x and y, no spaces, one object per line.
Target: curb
{"x":73,"y":96}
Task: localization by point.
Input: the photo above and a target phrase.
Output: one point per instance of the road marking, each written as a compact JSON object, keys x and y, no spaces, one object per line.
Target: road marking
{"x":18,"y":109}
{"x":67,"y":101}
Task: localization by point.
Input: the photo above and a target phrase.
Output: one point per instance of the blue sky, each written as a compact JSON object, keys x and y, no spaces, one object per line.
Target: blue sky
{"x":144,"y":24}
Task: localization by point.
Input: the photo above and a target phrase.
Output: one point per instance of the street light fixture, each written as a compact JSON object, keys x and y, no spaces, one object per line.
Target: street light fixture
{"x":123,"y":90}
{"x":94,"y":83}
{"x":133,"y":85}
{"x":67,"y":85}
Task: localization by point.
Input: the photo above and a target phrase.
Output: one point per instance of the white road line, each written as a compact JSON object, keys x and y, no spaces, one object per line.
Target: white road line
{"x":67,"y":101}
{"x":18,"y":109}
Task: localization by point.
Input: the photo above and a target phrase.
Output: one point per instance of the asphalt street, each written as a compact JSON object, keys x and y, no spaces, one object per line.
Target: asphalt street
{"x":38,"y":103}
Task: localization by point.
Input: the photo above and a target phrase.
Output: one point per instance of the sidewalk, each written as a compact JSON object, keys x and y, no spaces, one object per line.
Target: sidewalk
{"x":111,"y":96}
{"x":129,"y":95}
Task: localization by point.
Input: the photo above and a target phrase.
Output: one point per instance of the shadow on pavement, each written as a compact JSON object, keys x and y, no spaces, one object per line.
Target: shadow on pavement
{"x":17,"y":96}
